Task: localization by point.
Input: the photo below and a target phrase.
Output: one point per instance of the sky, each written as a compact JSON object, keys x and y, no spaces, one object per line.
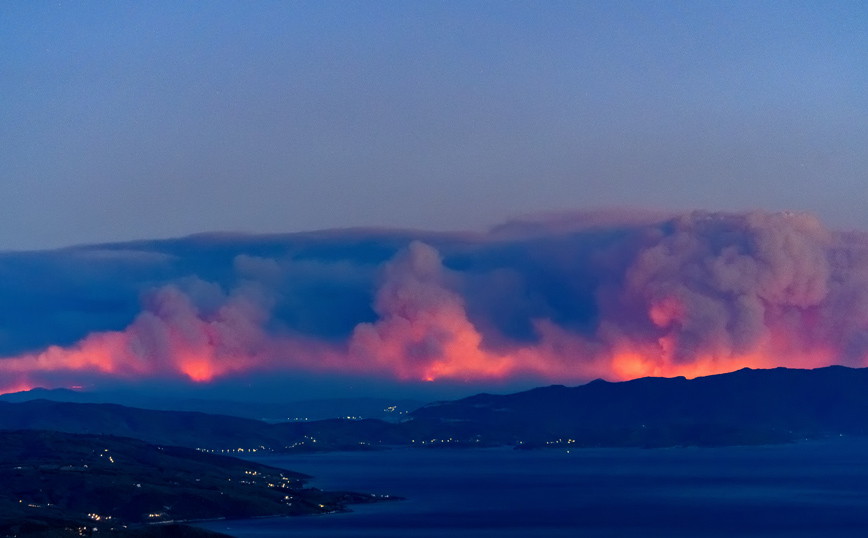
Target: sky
{"x":458,"y":195}
{"x":142,"y":120}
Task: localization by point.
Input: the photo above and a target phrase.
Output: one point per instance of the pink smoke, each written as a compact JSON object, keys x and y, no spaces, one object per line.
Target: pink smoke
{"x":703,"y":293}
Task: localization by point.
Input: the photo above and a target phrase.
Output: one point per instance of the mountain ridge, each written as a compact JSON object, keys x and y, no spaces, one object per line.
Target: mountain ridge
{"x":388,"y":409}
{"x":747,"y":406}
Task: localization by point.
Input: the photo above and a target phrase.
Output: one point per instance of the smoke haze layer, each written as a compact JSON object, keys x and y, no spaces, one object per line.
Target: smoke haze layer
{"x":559,"y":300}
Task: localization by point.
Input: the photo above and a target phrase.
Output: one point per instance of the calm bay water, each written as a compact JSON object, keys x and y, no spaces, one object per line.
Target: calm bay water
{"x":809,"y":489}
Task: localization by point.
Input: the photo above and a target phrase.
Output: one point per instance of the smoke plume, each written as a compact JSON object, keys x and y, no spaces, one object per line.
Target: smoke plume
{"x":694,"y":294}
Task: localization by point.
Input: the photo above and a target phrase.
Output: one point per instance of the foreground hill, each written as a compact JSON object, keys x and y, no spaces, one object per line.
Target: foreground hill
{"x":743,"y":407}
{"x":64,"y":484}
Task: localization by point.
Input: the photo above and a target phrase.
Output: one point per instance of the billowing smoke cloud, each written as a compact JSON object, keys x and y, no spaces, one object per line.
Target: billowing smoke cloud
{"x":423,"y":330}
{"x":171,"y":337}
{"x":690,"y":295}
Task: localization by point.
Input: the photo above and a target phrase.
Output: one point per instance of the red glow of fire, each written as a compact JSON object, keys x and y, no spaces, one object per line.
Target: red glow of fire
{"x":451,"y":348}
{"x":197,"y":370}
{"x":17,"y":386}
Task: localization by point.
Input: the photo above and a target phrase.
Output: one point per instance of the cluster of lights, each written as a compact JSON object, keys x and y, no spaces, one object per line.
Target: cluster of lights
{"x":104,"y":453}
{"x":435,"y":441}
{"x":287,"y":483}
{"x":230,"y":450}
{"x":299,"y":443}
{"x":561,"y":442}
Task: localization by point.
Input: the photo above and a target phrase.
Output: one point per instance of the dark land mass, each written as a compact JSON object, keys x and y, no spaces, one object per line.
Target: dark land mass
{"x":198,"y":430}
{"x":746,"y":407}
{"x":388,"y":409}
{"x":59,"y":484}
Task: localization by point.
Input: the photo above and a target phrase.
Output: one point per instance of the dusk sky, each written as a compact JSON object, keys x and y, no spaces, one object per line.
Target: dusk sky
{"x":514,"y":193}
{"x":131,"y":120}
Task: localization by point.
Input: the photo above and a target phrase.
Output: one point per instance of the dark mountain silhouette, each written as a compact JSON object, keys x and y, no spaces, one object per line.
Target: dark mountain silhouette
{"x":198,"y":430}
{"x":743,"y":407}
{"x":388,"y":409}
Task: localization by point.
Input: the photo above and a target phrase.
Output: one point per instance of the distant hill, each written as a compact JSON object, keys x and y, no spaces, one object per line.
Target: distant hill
{"x":39,"y":393}
{"x":743,"y":407}
{"x":58,"y":484}
{"x":388,"y":409}
{"x":218,"y":433}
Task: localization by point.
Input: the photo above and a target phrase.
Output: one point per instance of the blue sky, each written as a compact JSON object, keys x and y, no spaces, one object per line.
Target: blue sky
{"x":125,"y":120}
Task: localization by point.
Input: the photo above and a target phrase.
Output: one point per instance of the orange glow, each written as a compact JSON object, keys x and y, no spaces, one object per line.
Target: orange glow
{"x":198,"y":370}
{"x":457,"y":353}
{"x":630,"y":365}
{"x":423,"y":333}
{"x":440,"y":343}
{"x":704,"y":294}
{"x":18,"y":386}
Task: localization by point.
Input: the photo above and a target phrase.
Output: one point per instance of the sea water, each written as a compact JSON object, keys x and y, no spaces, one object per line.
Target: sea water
{"x":808,"y":489}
